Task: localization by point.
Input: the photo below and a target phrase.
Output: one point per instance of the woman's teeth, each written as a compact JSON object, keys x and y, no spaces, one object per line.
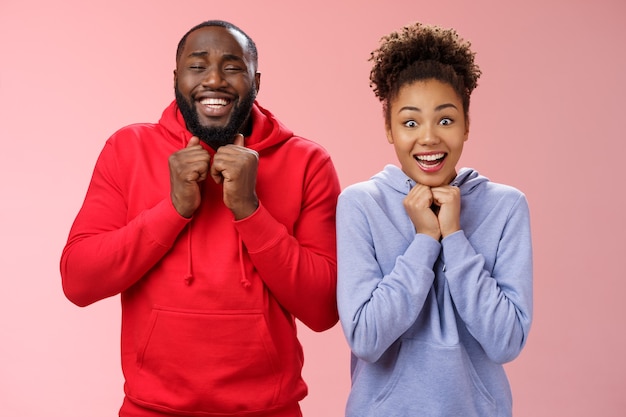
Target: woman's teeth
{"x":430,"y":158}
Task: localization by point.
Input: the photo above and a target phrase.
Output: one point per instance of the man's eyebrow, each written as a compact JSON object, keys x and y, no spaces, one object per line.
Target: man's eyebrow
{"x":232,"y":57}
{"x":196,"y":54}
{"x":225,"y":57}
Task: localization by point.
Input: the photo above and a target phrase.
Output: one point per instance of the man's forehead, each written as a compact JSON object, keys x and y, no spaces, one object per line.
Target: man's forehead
{"x":216,"y":37}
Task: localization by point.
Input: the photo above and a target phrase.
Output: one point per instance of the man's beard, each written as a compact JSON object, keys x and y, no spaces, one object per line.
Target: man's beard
{"x":216,"y":136}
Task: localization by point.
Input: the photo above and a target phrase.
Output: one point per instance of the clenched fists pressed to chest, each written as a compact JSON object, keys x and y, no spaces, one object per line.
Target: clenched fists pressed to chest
{"x":234,"y":166}
{"x":438,"y":223}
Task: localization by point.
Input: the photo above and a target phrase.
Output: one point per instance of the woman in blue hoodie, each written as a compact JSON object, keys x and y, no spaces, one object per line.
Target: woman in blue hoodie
{"x":435,"y":263}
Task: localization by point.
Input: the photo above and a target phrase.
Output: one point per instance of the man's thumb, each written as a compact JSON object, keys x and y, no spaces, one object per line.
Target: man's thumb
{"x":239,"y":140}
{"x":193,"y":141}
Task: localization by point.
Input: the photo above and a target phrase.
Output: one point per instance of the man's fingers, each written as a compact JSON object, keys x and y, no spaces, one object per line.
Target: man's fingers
{"x":216,"y":174}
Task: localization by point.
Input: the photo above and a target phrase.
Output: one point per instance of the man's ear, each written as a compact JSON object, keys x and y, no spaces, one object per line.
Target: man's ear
{"x":257,"y":80}
{"x":175,"y":78}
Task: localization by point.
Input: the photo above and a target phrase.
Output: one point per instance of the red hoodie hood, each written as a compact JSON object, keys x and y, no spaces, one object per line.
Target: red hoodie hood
{"x":267,"y":131}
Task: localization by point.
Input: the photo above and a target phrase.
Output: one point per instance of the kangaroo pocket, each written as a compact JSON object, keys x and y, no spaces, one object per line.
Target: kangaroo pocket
{"x":206,"y":362}
{"x":432,"y":380}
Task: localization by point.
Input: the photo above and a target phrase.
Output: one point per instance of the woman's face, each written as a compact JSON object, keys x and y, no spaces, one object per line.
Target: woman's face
{"x":427,"y":127}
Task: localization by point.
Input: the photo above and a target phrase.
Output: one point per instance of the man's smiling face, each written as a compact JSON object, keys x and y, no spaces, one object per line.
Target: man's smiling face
{"x":216,"y":84}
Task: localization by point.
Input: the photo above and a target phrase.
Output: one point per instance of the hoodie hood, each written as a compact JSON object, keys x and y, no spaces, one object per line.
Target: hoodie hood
{"x":267,"y":131}
{"x":467,"y":179}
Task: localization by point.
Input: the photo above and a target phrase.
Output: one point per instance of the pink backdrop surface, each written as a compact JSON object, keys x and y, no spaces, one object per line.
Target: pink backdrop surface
{"x":547,"y":118}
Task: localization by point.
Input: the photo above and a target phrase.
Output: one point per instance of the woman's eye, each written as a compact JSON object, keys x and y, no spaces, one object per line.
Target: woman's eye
{"x":445,"y":121}
{"x":410,"y":123}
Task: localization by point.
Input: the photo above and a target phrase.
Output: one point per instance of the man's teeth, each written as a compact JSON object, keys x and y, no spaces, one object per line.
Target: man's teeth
{"x":214,"y":102}
{"x":430,"y":158}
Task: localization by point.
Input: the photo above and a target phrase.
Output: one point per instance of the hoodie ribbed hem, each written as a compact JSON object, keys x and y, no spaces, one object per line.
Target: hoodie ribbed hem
{"x":130,"y":409}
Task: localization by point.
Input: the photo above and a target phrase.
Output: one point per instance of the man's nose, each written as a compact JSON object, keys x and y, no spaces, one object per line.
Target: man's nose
{"x":213,"y":78}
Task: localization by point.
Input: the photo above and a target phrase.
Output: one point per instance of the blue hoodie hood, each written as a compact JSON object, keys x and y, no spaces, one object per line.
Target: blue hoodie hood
{"x":467,"y":179}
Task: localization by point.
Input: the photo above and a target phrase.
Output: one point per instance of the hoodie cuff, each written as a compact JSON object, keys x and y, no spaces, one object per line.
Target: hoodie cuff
{"x":456,"y":248}
{"x":424,"y":250}
{"x":163,"y":223}
{"x":260,"y":230}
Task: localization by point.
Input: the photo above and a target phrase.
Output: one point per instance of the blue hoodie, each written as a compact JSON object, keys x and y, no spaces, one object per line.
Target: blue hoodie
{"x":429,"y":322}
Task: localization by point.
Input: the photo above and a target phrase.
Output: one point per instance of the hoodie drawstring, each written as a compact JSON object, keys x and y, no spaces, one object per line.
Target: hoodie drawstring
{"x":189,"y":275}
{"x":245,"y":282}
{"x":189,"y":278}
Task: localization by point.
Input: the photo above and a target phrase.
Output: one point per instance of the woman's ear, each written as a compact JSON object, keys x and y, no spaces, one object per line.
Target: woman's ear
{"x":388,"y":132}
{"x":389,"y":136}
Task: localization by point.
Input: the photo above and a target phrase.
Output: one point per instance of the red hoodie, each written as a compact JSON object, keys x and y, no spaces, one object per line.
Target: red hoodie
{"x":208,"y":303}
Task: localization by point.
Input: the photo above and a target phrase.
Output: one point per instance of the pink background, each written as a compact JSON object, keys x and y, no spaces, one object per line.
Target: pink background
{"x":547,"y":117}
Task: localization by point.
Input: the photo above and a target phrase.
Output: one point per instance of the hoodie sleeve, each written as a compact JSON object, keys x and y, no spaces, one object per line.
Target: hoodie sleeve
{"x":300,"y":269}
{"x":376,"y":308}
{"x":496,"y":307}
{"x":105,"y":253}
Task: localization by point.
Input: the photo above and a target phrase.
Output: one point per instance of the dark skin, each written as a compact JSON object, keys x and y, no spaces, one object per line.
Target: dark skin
{"x":215,"y":64}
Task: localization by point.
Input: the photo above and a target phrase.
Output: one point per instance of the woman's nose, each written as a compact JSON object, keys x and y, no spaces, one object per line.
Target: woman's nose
{"x":428,"y":135}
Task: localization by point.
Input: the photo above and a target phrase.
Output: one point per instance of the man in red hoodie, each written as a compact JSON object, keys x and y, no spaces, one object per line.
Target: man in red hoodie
{"x":216,"y":226}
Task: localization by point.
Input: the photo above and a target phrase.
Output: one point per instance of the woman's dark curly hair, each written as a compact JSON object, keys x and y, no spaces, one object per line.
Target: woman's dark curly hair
{"x":421,"y":52}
